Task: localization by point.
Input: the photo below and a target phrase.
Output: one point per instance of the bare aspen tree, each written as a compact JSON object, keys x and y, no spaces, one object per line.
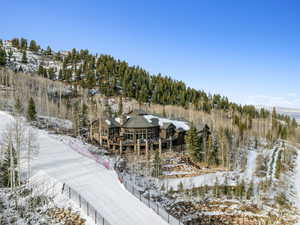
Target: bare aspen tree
{"x":32,"y":149}
{"x":12,"y":166}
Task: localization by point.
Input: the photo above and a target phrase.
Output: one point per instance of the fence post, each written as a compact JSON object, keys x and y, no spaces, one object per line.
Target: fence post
{"x":95,"y":217}
{"x":79,"y":200}
{"x":157,"y":208}
{"x":87,"y":208}
{"x":69,"y":193}
{"x":168,"y":218}
{"x":140,"y":196}
{"x":103,"y":221}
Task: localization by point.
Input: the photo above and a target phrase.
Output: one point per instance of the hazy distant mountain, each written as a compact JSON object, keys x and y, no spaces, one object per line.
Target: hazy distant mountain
{"x":288,"y":111}
{"x":291,"y":112}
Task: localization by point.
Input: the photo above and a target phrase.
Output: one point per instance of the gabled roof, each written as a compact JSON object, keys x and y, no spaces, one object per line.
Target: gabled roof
{"x":138,"y":121}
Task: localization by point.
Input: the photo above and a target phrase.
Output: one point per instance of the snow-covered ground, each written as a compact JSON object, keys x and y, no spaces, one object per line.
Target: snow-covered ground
{"x":297,"y":180}
{"x":210,"y":179}
{"x":98,"y":185}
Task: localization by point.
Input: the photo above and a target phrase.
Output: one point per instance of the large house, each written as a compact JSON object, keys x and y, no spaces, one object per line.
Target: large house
{"x":138,"y":131}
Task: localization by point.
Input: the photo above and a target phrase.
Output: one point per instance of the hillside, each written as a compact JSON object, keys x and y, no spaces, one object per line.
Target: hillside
{"x":99,"y":186}
{"x":106,"y":76}
{"x":112,"y":77}
{"x":243,"y":167}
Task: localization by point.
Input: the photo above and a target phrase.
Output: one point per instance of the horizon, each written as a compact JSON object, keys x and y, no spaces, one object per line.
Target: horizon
{"x":248,"y":52}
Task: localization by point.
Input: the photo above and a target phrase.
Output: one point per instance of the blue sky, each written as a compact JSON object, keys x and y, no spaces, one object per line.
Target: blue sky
{"x":246,"y":50}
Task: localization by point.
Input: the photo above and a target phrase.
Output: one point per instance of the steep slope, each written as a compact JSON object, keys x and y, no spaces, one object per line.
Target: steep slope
{"x":99,"y":186}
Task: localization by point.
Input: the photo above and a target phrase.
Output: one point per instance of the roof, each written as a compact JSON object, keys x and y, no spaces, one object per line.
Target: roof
{"x":109,"y":122}
{"x":112,"y":123}
{"x":167,"y":125}
{"x":177,"y":123}
{"x":137,"y":112}
{"x":138,"y":121}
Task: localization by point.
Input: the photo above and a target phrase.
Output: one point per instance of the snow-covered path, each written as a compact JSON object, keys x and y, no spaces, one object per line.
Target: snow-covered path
{"x":99,"y":186}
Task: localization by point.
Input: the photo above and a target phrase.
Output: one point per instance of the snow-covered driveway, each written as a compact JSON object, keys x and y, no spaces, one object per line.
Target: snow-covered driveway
{"x":99,"y":186}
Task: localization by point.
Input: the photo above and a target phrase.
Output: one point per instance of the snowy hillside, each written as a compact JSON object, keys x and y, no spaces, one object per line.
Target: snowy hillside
{"x":98,"y":185}
{"x":34,"y":60}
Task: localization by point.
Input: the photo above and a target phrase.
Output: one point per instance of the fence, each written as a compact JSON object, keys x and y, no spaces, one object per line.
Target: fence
{"x":90,"y":155}
{"x":90,"y":211}
{"x":153,"y":205}
{"x":87,"y":208}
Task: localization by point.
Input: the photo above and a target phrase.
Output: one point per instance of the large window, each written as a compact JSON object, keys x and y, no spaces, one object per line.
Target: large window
{"x":142,"y":134}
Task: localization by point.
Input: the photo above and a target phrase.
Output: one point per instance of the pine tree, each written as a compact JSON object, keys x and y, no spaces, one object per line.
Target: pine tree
{"x":31,"y":112}
{"x":23,"y":44}
{"x":213,"y":157}
{"x":15,"y":43}
{"x":45,"y":73}
{"x":18,"y":106}
{"x":171,"y":190}
{"x":2,"y":57}
{"x":241,"y":190}
{"x":33,"y":46}
{"x":10,"y":54}
{"x":41,"y":70}
{"x":48,"y":51}
{"x":294,"y":123}
{"x":83,"y":116}
{"x":180,"y":187}
{"x":20,"y":69}
{"x":24,"y":57}
{"x":250,"y":190}
{"x":51,"y":74}
{"x":60,"y":75}
{"x":193,"y":144}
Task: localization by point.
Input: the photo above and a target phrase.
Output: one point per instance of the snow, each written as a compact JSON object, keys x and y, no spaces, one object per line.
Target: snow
{"x":66,"y":124}
{"x":43,"y":183}
{"x":98,"y":185}
{"x":251,"y":164}
{"x":108,"y":122}
{"x":202,"y":180}
{"x":34,"y":60}
{"x":272,"y":164}
{"x":118,"y":119}
{"x":210,"y":178}
{"x":177,"y":123}
{"x":297,"y":179}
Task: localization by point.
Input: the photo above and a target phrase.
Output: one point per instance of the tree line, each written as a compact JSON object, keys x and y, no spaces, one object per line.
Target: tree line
{"x":113,"y":77}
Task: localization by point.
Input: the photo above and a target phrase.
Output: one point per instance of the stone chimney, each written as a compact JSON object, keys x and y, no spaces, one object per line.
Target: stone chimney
{"x":123,"y":119}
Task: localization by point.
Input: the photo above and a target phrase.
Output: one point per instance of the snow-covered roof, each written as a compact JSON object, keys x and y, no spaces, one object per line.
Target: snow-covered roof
{"x":108,"y":122}
{"x":177,"y":123}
